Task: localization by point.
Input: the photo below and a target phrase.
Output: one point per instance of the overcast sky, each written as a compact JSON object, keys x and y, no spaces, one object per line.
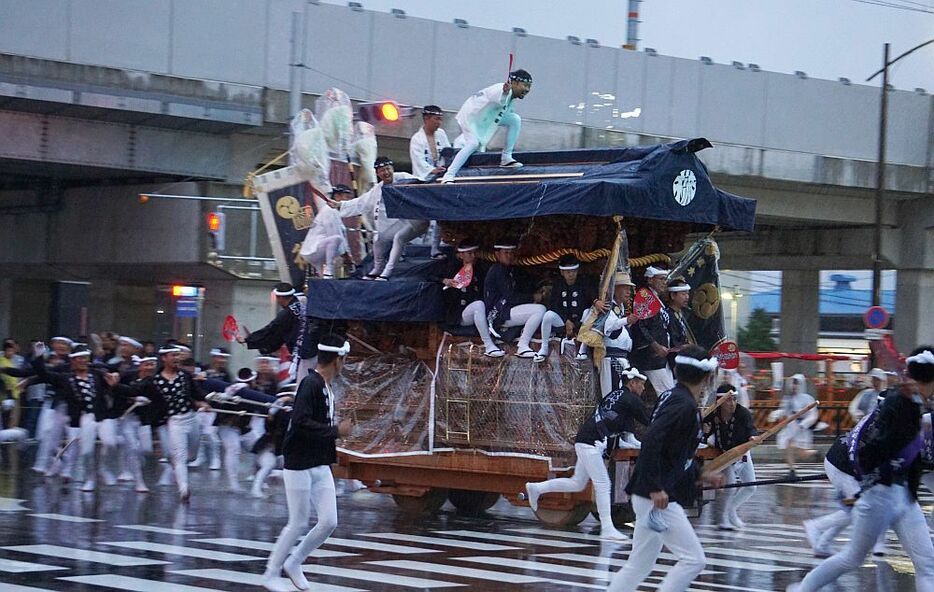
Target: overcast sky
{"x":825,"y":38}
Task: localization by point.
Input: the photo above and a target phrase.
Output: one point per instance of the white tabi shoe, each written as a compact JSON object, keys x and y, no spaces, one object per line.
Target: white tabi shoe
{"x":612,"y":535}
{"x":294,"y":572}
{"x":532,"y":493}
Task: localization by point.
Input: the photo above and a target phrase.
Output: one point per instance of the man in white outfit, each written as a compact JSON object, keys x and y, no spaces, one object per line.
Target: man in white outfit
{"x":425,"y":152}
{"x":482,"y":114}
{"x":309,"y":450}
{"x":798,"y":435}
{"x":391,"y":234}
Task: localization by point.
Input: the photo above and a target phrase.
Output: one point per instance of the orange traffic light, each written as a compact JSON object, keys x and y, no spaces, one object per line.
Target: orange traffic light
{"x":214,"y":221}
{"x":389,"y":111}
{"x":383,"y":111}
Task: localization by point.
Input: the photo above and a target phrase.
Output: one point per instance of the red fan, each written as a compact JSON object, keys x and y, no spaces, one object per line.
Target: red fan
{"x":646,"y":304}
{"x":728,"y":354}
{"x":231,"y":329}
{"x":462,"y":278}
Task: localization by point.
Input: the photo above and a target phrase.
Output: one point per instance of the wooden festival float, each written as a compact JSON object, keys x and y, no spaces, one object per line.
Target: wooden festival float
{"x":436,"y":419}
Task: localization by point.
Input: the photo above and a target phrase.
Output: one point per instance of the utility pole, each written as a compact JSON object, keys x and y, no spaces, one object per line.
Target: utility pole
{"x":880,"y":167}
{"x":880,"y":182}
{"x":297,"y":63}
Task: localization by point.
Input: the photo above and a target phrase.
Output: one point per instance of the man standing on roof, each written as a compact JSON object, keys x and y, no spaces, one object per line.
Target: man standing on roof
{"x":482,"y":114}
{"x":425,"y":152}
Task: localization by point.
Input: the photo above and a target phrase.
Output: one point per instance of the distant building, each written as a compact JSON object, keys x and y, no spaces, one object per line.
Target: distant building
{"x":841,"y":314}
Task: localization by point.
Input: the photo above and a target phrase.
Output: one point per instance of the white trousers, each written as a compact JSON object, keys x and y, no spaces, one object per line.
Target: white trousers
{"x":304,"y":489}
{"x":550,"y":321}
{"x":391,"y":241}
{"x":527,"y":316}
{"x":589,"y":467}
{"x":611,"y":377}
{"x":738,"y":472}
{"x":137,"y":441}
{"x":266,"y":461}
{"x":831,"y":525}
{"x":324,"y":255}
{"x":52,"y":424}
{"x":475,"y":314}
{"x":89,"y":431}
{"x":680,"y":539}
{"x":469,"y":143}
{"x":662,"y":379}
{"x":795,"y":436}
{"x":232,"y":442}
{"x":878,"y":509}
{"x":209,"y":448}
{"x":184,"y":434}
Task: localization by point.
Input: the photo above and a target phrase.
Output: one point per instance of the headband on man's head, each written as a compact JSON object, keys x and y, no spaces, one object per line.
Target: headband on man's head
{"x":726,"y":393}
{"x":708,"y":365}
{"x":521,"y":76}
{"x":679,"y":288}
{"x":247,"y":377}
{"x":289,"y":292}
{"x":169,"y":349}
{"x":219,"y":353}
{"x":467,"y":247}
{"x":130,"y":341}
{"x":341,"y":351}
{"x":80,"y":353}
{"x":632,"y":373}
{"x":925,"y":357}
{"x":148,"y":359}
{"x":653,"y":271}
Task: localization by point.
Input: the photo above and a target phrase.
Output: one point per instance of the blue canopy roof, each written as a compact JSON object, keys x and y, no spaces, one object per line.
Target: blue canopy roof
{"x":663,"y":182}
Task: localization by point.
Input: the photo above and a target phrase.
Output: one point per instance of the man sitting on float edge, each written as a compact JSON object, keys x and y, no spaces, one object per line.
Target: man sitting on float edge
{"x":509,"y":303}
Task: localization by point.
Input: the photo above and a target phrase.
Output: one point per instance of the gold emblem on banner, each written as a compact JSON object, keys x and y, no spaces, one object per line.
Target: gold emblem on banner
{"x":705,"y":300}
{"x":296,"y":251}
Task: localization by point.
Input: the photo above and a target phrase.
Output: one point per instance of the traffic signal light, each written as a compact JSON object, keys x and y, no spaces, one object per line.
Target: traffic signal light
{"x":216,"y":228}
{"x":384,"y":112}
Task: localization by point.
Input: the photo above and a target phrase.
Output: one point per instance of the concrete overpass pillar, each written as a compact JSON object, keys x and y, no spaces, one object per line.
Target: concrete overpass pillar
{"x":800,"y":316}
{"x":914,"y":308}
{"x":6,"y":309}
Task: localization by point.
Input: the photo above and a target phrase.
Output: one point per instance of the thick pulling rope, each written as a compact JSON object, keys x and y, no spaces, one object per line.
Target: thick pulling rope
{"x":782,"y":481}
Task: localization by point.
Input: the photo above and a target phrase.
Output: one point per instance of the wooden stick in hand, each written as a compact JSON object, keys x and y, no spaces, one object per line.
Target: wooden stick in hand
{"x":727,"y":458}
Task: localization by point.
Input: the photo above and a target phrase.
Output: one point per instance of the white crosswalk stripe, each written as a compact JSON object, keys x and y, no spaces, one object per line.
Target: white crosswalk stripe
{"x":454,"y":570}
{"x":372,"y":546}
{"x":427,"y":540}
{"x":251,"y":579}
{"x":158,"y":529}
{"x":134,"y":584}
{"x":491,"y":536}
{"x":179,"y":551}
{"x":13,"y":566}
{"x":66,"y":518}
{"x":264,"y":546}
{"x":62,"y":552}
{"x":382,"y":577}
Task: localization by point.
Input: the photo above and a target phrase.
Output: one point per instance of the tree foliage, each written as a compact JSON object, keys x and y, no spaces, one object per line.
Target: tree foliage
{"x":755,"y":336}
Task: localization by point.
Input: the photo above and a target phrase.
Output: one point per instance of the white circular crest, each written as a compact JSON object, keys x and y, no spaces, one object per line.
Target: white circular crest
{"x":684,"y":187}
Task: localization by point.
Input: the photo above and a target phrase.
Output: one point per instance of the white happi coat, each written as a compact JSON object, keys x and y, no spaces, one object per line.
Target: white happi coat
{"x":483,"y":111}
{"x":420,"y":151}
{"x":371,"y":204}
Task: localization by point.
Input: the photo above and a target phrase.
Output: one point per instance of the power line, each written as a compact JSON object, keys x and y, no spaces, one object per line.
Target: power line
{"x":885,"y":4}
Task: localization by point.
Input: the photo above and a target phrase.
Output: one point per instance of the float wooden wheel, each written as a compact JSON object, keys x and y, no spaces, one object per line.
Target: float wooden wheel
{"x":429,"y":503}
{"x":472,"y":503}
{"x":569,"y":517}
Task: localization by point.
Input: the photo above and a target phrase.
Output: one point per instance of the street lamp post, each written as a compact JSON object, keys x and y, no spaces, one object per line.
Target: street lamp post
{"x":880,"y":167}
